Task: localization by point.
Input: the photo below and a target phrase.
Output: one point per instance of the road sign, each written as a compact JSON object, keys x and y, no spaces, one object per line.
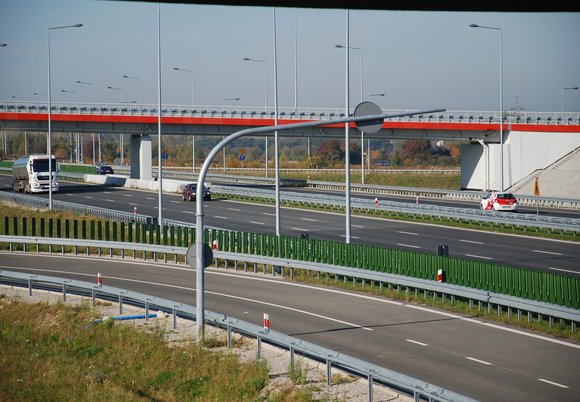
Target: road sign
{"x":165,"y":156}
{"x":537,"y":188}
{"x":191,"y":256}
{"x":368,"y":109}
{"x":242,"y":157}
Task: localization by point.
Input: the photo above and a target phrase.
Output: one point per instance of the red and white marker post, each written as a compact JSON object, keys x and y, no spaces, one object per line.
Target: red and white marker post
{"x":214,"y":245}
{"x":376,"y":202}
{"x":99,"y":279}
{"x":266,"y":323}
{"x":440,"y":278}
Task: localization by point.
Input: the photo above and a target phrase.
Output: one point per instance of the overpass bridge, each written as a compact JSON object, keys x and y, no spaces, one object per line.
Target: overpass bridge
{"x":532,"y":141}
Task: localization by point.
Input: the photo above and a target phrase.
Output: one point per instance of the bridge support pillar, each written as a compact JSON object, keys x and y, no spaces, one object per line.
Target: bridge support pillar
{"x":141,"y":157}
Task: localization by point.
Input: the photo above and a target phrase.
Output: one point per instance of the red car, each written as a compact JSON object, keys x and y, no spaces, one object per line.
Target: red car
{"x":499,"y":201}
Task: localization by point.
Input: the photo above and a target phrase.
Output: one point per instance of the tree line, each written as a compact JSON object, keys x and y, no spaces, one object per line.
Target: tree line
{"x":293,"y":152}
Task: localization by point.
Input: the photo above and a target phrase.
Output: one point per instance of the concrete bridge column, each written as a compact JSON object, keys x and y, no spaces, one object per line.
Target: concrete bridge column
{"x":141,"y":157}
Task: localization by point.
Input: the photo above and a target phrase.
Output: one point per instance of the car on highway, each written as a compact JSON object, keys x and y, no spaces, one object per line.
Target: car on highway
{"x":104,"y":169}
{"x":499,"y":201}
{"x":190,"y":190}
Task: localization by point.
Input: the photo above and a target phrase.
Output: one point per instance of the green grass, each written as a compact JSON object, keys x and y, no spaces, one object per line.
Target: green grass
{"x":57,"y":352}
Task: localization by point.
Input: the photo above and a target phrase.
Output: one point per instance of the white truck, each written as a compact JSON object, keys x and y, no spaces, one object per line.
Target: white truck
{"x":30,"y":174}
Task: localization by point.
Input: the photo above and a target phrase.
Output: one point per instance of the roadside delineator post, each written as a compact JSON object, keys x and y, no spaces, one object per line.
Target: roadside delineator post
{"x":376,"y":202}
{"x":99,"y":279}
{"x":440,"y":276}
{"x":135,"y":210}
{"x":266,"y":323}
{"x":417,"y":200}
{"x":214,"y":245}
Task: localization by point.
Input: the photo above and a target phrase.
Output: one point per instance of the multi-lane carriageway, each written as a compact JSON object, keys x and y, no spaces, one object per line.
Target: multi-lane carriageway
{"x":472,"y":357}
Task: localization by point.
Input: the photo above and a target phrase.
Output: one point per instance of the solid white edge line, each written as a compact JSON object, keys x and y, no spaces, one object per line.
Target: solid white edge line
{"x":212,"y":271}
{"x":564,"y":270}
{"x":213,"y":293}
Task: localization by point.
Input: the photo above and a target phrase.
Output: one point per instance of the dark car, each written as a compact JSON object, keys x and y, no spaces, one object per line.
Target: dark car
{"x":105,"y":169}
{"x":190,"y":190}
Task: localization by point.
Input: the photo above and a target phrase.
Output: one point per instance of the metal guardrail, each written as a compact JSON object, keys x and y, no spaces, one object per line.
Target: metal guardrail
{"x":549,"y":202}
{"x":373,"y":373}
{"x":426,"y":286}
{"x":105,"y":213}
{"x":439,"y":212}
{"x":475,"y":196}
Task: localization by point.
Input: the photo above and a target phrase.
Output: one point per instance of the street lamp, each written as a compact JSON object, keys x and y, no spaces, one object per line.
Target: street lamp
{"x":500,"y":94}
{"x":192,"y":106}
{"x":224,"y":148}
{"x":265,"y":97}
{"x":70,"y":92}
{"x":564,"y":89}
{"x":49,"y":144}
{"x":140,"y":89}
{"x":121,"y":151}
{"x":122,"y":93}
{"x":362,"y":134}
{"x":369,"y":141}
{"x":192,"y":82}
{"x":93,"y":90}
{"x":360,"y":66}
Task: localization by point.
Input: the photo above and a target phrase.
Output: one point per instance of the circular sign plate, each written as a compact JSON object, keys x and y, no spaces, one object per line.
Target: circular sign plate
{"x":368,"y":109}
{"x":191,"y":255}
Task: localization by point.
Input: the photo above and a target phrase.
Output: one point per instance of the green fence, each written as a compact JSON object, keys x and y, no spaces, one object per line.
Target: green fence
{"x":529,"y":284}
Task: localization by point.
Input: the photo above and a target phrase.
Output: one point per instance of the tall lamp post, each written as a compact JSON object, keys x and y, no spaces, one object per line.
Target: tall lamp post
{"x":121,"y":151}
{"x":92,"y":103}
{"x":74,"y":94}
{"x":362,"y":134}
{"x":92,"y":89}
{"x":224,"y":148}
{"x":369,"y":141}
{"x":192,"y":106}
{"x":500,"y":95}
{"x":265,"y":98}
{"x":140,"y":89}
{"x":76,"y":147}
{"x":49,"y":143}
{"x":565,"y":89}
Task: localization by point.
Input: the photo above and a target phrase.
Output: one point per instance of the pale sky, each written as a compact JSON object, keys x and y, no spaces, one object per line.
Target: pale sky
{"x":419,"y":60}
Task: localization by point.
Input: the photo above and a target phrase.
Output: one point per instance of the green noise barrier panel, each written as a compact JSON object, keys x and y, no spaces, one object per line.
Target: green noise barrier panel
{"x":525,"y":283}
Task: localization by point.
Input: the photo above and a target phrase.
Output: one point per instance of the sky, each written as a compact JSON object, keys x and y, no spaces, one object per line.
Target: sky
{"x":418,"y":60}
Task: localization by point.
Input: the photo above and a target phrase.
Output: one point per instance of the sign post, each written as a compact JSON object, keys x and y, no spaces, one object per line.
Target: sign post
{"x":537,"y":194}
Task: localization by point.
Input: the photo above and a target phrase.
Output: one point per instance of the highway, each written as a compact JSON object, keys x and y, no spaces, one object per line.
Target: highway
{"x":526,"y":252}
{"x":484,"y":361}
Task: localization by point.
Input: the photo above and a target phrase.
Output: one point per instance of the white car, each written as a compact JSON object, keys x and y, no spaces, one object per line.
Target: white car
{"x":499,"y":201}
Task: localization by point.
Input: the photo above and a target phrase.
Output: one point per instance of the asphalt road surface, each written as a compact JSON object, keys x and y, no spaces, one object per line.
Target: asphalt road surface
{"x":482,"y":360}
{"x":560,"y":257}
